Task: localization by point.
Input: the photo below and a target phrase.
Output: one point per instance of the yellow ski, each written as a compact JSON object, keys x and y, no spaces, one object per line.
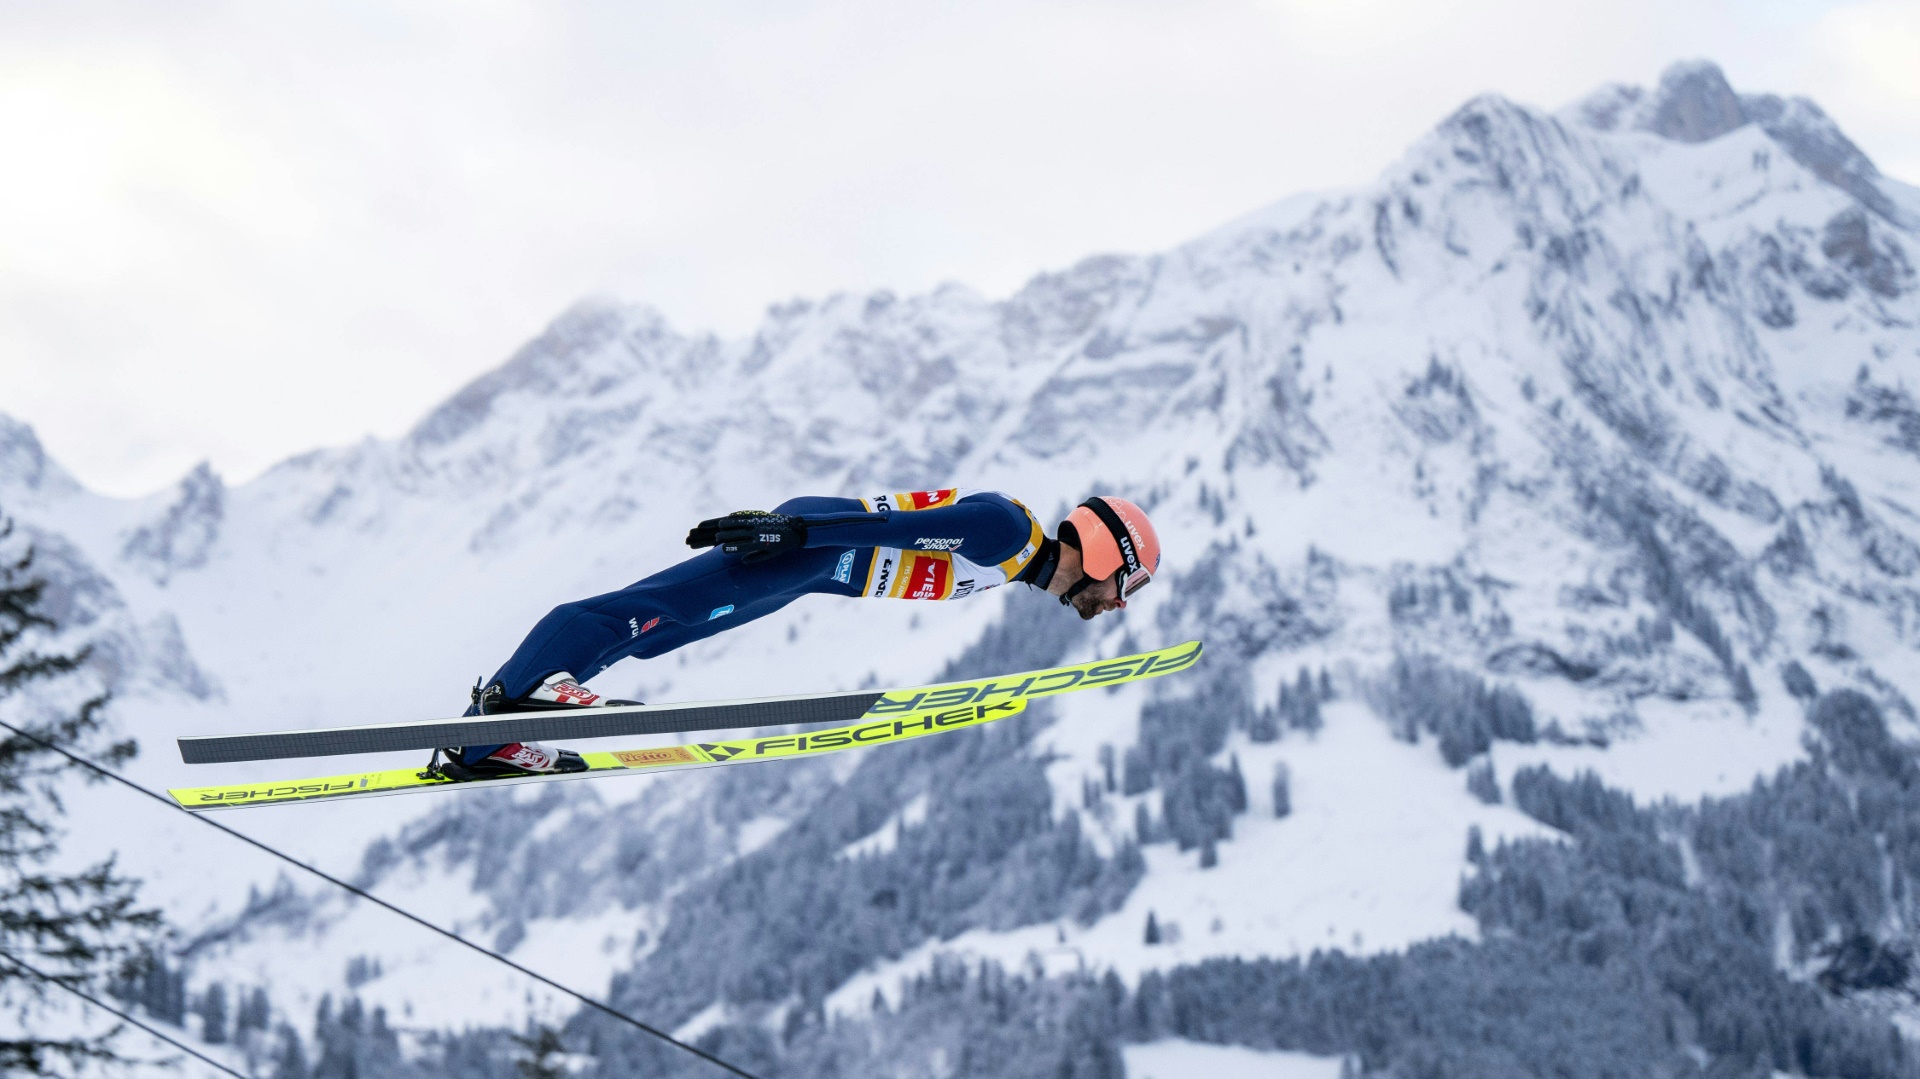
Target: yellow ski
{"x":896,"y":716}
{"x":697,"y":755}
{"x":629,"y":721}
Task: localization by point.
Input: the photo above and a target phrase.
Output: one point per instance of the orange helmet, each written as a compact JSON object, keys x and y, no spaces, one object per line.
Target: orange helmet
{"x":1115,"y":536}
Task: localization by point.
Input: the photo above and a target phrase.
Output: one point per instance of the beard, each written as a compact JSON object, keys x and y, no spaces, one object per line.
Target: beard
{"x":1087,"y":607}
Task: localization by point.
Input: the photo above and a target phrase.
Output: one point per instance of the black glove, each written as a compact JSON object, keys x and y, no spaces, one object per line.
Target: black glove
{"x":753,"y":535}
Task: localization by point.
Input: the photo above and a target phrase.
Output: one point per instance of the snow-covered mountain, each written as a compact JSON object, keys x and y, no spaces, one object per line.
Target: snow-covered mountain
{"x":1582,"y":440}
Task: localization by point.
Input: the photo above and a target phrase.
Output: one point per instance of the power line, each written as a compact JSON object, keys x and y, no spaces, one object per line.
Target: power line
{"x":243,"y":837}
{"x":124,"y":1017}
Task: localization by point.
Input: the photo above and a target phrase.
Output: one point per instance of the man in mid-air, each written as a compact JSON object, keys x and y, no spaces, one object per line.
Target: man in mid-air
{"x":916,"y":545}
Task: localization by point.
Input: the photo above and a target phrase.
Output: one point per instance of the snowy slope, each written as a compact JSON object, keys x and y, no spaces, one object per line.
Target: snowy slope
{"x":1611,"y":405}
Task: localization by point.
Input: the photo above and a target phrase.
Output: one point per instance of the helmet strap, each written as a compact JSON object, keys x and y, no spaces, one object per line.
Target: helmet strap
{"x":1119,"y":529}
{"x":1085,"y":582}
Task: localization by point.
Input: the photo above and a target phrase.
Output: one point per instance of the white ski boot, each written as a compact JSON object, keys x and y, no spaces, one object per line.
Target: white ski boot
{"x":556,"y":692}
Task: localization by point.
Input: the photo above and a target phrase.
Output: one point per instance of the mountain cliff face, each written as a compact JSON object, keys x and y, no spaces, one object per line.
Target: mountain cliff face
{"x":1535,"y":500}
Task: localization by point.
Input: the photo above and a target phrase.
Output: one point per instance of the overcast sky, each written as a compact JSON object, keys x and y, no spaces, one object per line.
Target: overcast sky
{"x":237,"y":231}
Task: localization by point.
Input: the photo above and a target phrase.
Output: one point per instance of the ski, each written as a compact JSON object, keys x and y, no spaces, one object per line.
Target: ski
{"x":646,"y":719}
{"x":620,"y":762}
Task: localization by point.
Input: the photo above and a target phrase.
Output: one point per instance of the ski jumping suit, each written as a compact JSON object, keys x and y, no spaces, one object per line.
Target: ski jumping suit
{"x":913,"y":545}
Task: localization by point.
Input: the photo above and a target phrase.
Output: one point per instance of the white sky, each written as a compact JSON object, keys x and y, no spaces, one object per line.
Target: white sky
{"x":236,"y":231}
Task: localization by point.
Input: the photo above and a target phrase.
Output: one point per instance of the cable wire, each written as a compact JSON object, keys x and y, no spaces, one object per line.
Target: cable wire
{"x":123,"y":1016}
{"x":608,"y":1009}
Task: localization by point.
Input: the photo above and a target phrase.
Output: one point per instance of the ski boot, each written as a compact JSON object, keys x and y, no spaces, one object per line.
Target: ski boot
{"x":512,"y":759}
{"x":557,"y":692}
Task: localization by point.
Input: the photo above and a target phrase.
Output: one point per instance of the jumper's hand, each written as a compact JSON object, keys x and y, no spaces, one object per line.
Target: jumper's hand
{"x":753,"y":535}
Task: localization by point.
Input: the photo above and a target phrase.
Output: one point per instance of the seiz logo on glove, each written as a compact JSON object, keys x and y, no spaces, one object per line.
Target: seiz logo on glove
{"x":752,"y":534}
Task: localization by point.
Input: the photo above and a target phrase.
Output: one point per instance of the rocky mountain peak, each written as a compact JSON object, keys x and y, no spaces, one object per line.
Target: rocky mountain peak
{"x":569,"y":356}
{"x":1693,"y":103}
{"x":24,"y":462}
{"x":184,"y":533}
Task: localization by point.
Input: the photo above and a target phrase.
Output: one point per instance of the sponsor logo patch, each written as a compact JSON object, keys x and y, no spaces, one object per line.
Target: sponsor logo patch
{"x":653,"y":758}
{"x":1038,"y":685}
{"x":885,"y":730}
{"x":938,"y":543}
{"x":928,"y":579}
{"x":286,"y":790}
{"x":568,"y":693}
{"x":914,"y":500}
{"x":524,"y":756}
{"x":844,"y":571}
{"x":635,"y":623}
{"x":719,"y":611}
{"x":651,"y":622}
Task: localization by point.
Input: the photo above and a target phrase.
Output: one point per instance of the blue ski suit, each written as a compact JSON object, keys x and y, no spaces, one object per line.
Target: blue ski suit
{"x":942,"y":544}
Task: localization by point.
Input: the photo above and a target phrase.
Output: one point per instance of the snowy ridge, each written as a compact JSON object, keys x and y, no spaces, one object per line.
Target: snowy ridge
{"x":1613,"y":407}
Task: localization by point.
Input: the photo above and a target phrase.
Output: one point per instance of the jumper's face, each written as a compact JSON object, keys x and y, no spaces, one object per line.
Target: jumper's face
{"x":1099,"y":598}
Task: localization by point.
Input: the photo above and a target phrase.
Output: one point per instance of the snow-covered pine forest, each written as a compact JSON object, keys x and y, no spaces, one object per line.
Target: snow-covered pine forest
{"x":1550,"y":508}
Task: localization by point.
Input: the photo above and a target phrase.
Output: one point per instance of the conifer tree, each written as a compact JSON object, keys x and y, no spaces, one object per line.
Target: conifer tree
{"x":213,"y":1015}
{"x":1282,"y":790}
{"x":291,"y":1060}
{"x":81,"y":929}
{"x":255,"y":1012}
{"x":539,"y":1048}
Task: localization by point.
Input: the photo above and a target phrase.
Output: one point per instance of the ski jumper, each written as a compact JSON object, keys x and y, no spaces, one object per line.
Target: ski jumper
{"x":913,"y":545}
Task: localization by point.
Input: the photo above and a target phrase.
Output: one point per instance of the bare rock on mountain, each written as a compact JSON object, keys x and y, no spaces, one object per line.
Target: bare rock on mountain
{"x":183,"y":534}
{"x":1693,"y":103}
